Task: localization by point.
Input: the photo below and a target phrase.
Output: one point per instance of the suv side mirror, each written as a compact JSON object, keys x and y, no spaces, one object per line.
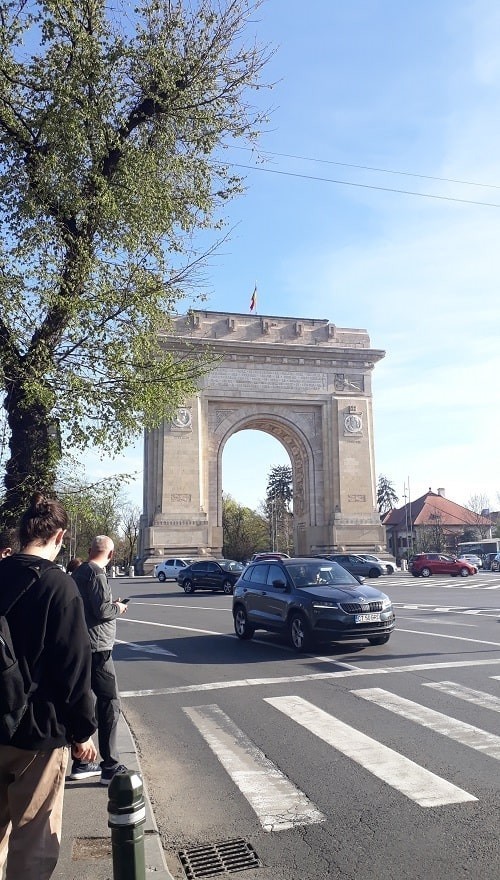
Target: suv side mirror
{"x":280,"y":585}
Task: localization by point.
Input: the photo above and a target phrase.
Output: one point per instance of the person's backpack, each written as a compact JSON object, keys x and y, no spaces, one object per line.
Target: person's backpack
{"x":14,"y":698}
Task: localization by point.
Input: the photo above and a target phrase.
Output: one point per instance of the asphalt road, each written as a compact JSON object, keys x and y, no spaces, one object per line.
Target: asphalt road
{"x":352,"y":762}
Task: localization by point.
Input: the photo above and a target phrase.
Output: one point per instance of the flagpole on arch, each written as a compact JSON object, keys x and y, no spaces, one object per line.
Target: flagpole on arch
{"x":253,"y":301}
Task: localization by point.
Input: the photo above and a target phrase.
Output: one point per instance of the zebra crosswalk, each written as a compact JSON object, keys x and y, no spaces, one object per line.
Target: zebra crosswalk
{"x":279,"y":804}
{"x":482,"y":581}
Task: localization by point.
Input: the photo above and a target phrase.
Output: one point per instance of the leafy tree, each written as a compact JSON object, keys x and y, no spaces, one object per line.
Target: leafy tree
{"x":93,"y":510}
{"x":477,"y":505}
{"x":126,"y":546}
{"x":432,"y":537}
{"x":245,"y":532}
{"x":279,"y":497}
{"x":470,"y":534}
{"x":108,"y":165}
{"x":386,"y":495}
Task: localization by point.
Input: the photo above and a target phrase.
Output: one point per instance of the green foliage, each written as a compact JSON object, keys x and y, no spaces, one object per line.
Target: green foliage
{"x":108,"y":165}
{"x":93,"y":509}
{"x":245,"y":532}
{"x":279,"y":497}
{"x":280,"y":485}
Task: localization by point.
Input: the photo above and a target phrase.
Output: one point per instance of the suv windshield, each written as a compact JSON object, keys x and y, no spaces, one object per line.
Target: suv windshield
{"x":313,"y":573}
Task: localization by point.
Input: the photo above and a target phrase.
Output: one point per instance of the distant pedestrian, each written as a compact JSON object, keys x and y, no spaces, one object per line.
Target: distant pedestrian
{"x":101,"y":613}
{"x":45,"y":616}
{"x":73,"y":564}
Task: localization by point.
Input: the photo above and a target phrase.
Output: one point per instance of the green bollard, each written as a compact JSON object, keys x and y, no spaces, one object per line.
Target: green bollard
{"x":126,"y":817}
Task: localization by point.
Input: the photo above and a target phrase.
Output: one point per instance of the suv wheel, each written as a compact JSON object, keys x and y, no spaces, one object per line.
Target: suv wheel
{"x":227,"y":587}
{"x":188,"y":586}
{"x":373,"y":573}
{"x":299,"y":632}
{"x":379,"y":640}
{"x":243,"y":629}
{"x":426,"y":572}
{"x":390,"y":569}
{"x":464,"y":572}
{"x":162,"y":577}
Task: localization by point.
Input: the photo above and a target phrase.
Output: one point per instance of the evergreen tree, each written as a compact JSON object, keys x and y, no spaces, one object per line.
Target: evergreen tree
{"x":279,"y":497}
{"x":386,"y":495}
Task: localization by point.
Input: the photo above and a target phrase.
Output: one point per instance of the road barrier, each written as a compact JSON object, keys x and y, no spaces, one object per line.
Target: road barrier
{"x":126,"y":818}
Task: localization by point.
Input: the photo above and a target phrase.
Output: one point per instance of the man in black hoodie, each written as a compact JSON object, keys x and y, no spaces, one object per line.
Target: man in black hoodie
{"x":51,"y":643}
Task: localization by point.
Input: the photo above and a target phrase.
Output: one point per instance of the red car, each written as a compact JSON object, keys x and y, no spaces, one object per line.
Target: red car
{"x":425,"y":564}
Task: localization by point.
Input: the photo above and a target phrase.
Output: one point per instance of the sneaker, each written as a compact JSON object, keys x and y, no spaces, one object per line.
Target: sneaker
{"x":108,"y":773}
{"x":81,"y":770}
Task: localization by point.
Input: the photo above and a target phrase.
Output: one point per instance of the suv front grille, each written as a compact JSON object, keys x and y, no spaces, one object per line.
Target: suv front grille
{"x":357,"y":608}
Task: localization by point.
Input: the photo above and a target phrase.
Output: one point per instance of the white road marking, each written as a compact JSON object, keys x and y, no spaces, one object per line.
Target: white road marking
{"x":146,"y":649}
{"x":417,"y":632}
{"x":279,"y":805}
{"x":187,"y":606}
{"x":313,"y":676}
{"x":207,"y":632}
{"x":465,"y":734}
{"x":440,"y":622}
{"x":415,"y":782}
{"x":480,"y":698}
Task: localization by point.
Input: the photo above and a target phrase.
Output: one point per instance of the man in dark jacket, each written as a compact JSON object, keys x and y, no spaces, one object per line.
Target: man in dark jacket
{"x":51,"y":644}
{"x":100,"y":614}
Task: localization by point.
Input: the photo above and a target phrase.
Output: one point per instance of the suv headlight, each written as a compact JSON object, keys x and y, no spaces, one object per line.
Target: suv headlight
{"x":386,"y":604}
{"x":320,"y":605}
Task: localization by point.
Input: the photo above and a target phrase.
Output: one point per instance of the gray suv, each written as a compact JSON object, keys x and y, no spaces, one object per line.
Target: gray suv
{"x":309,"y":600}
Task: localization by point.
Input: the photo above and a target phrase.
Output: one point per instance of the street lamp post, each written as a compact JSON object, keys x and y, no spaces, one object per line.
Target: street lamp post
{"x":408,"y":522}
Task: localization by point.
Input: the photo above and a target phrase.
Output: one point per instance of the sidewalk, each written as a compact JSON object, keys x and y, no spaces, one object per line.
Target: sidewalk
{"x":86,"y":838}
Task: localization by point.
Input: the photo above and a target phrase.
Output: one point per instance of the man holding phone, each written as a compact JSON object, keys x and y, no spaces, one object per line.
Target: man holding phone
{"x":100,"y":615}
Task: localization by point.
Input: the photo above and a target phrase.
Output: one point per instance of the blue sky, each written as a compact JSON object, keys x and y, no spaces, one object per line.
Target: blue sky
{"x":405,"y":87}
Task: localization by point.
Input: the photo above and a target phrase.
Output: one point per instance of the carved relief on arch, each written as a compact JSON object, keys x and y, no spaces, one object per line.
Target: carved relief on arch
{"x":220,"y":415}
{"x":299,"y":493}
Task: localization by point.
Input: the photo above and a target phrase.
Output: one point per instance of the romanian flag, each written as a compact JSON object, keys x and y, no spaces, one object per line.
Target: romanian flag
{"x":253,"y":301}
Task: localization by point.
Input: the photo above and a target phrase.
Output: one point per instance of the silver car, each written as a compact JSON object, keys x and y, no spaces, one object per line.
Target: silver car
{"x":389,"y":566}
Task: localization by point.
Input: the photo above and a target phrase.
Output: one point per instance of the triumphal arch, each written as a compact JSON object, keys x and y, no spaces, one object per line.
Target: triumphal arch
{"x":305,"y":381}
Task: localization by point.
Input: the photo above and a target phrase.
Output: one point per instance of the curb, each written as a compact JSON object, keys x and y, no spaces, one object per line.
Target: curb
{"x":153,"y":850}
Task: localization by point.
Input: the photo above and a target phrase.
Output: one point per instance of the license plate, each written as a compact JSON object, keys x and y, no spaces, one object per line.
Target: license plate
{"x":374,"y":617}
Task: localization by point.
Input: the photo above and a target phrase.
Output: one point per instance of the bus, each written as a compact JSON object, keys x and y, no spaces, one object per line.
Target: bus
{"x":481,"y":548}
{"x":487,"y":545}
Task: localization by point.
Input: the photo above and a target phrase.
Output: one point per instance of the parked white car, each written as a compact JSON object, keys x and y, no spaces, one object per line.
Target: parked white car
{"x":473,"y":559}
{"x":170,"y":568}
{"x":389,"y":567}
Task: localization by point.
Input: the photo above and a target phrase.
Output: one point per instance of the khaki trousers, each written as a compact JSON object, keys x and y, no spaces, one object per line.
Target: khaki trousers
{"x":31,"y":801}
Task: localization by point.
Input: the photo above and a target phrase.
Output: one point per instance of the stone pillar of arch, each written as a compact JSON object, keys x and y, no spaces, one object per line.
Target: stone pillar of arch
{"x":305,"y":382}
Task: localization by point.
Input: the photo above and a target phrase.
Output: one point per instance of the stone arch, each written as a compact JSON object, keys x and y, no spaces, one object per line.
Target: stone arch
{"x":305,"y":382}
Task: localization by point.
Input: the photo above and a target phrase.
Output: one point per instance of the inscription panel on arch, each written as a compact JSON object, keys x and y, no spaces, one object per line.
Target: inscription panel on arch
{"x":269,"y":380}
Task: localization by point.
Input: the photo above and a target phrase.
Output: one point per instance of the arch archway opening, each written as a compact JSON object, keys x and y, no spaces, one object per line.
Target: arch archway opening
{"x":247,"y":460}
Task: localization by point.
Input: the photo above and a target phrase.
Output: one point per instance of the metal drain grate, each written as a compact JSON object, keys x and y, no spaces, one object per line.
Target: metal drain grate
{"x":225,"y":857}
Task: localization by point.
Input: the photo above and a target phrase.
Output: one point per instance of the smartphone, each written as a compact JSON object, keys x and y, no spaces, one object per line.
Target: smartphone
{"x":124,"y":601}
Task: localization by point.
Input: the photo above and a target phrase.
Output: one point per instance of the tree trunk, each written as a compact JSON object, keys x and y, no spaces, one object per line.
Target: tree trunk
{"x":34,"y":453}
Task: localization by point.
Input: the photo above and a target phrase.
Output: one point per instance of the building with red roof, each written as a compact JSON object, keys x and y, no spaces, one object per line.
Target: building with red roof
{"x":431,"y":522}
